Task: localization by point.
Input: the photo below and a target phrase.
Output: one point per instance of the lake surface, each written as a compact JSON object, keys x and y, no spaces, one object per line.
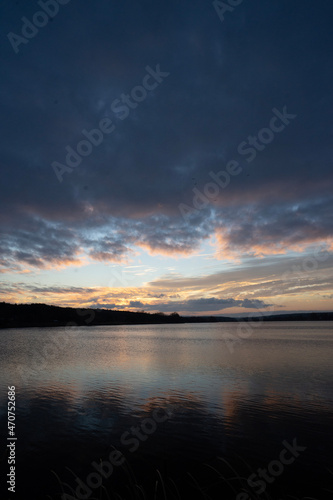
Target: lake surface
{"x":195,"y":410}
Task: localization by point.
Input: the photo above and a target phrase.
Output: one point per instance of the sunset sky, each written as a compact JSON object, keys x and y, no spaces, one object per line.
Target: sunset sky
{"x":206,"y":185}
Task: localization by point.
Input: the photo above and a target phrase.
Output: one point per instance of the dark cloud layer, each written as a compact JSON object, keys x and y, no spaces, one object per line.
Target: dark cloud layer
{"x":205,"y":304}
{"x":225,"y":79}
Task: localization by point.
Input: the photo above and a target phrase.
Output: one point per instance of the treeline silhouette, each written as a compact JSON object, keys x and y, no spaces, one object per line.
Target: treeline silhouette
{"x":29,"y":315}
{"x":41,"y":315}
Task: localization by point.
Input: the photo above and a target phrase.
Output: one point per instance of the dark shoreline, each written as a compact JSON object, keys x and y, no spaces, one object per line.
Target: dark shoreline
{"x":42,"y":315}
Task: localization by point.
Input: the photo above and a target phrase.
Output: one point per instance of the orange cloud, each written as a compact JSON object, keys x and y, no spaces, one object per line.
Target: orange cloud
{"x":225,"y":250}
{"x":173,"y":252}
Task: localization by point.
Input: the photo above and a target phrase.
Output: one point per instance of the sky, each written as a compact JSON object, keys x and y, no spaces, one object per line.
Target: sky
{"x":167,"y":156}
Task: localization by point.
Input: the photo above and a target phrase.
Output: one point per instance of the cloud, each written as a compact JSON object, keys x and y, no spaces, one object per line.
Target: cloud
{"x":40,"y":243}
{"x":108,"y":248}
{"x":267,"y":228}
{"x":136,"y":304}
{"x":267,"y":278}
{"x":256,"y":230}
{"x":202,"y":305}
{"x":37,"y":243}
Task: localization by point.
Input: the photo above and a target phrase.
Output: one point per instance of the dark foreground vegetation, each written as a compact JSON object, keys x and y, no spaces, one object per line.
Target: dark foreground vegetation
{"x":39,"y":315}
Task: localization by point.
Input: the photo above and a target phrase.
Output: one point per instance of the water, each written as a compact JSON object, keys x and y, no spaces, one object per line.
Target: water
{"x":219,"y":407}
